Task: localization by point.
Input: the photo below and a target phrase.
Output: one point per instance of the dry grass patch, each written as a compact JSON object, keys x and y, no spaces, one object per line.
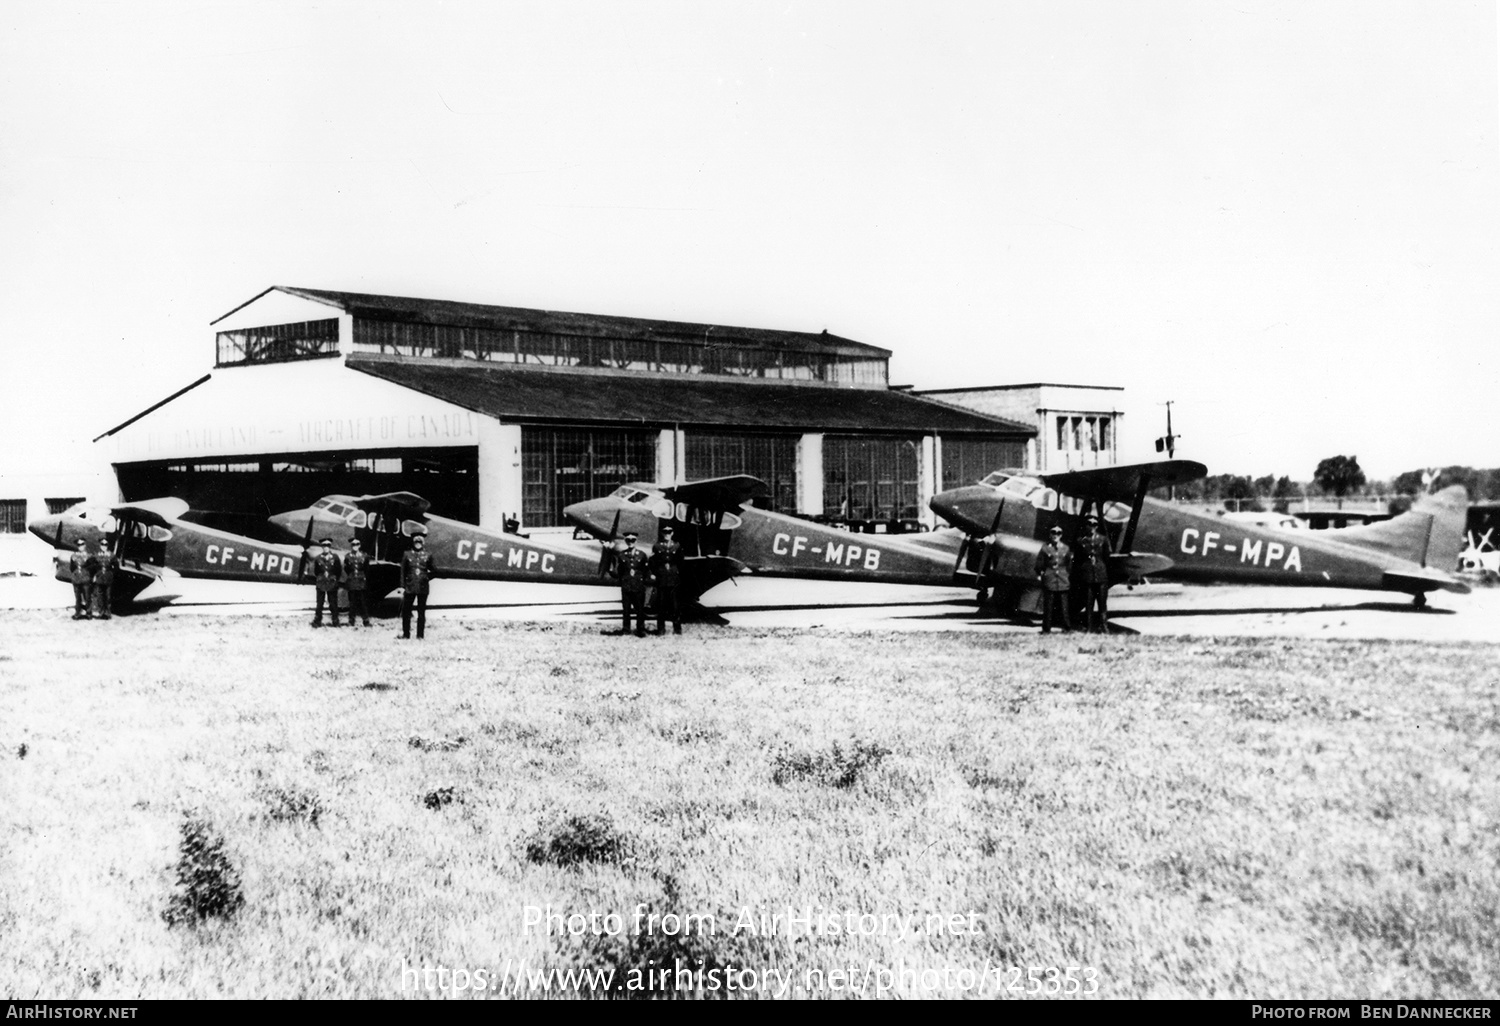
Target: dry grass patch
{"x":1238,"y":818}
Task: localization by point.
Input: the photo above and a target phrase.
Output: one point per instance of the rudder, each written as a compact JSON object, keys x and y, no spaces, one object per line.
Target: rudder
{"x":1430,"y":534}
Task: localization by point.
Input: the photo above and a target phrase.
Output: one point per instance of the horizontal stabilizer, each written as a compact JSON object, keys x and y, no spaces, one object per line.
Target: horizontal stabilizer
{"x":718,"y":493}
{"x":700,"y":573}
{"x":1120,"y":483}
{"x":401,"y":505}
{"x":1133,"y":567}
{"x":154,"y":512}
{"x":1419,"y":580}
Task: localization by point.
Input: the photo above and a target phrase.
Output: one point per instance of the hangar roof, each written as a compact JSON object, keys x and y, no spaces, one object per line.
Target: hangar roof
{"x":510,"y":318}
{"x":520,"y":394}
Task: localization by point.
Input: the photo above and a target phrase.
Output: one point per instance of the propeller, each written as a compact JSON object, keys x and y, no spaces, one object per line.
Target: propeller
{"x":608,"y":551}
{"x":306,"y":544}
{"x":991,"y":548}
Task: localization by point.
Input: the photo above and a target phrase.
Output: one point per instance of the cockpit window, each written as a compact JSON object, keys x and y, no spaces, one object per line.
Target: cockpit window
{"x":322,"y":504}
{"x":622,"y":492}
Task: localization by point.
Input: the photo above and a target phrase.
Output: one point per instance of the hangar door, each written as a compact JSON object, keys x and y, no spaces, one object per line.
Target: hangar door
{"x":238,"y":493}
{"x":967,"y":460}
{"x":871,"y":478}
{"x":772,"y":458}
{"x":561,"y":466}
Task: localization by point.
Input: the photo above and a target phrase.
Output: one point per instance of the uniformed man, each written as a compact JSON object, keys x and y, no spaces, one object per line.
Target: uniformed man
{"x":105,"y":565}
{"x":1092,"y":575}
{"x":1052,"y":564}
{"x":416,"y":576}
{"x":327,"y":572}
{"x":666,"y":574}
{"x":356,"y":578}
{"x":81,"y":569}
{"x":632,"y":566}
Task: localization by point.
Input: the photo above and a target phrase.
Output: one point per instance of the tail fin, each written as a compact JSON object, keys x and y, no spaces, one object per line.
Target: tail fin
{"x":1430,"y":534}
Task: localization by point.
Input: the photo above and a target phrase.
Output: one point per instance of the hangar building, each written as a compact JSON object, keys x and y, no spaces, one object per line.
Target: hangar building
{"x":497,"y":413}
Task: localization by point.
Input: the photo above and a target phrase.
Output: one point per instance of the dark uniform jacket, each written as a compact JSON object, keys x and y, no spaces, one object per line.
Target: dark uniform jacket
{"x":326,"y":571}
{"x":416,"y":571}
{"x":356,"y":567}
{"x":104,"y":568}
{"x":631,"y":568}
{"x":1052,"y":566}
{"x":1093,"y":558}
{"x":81,"y":564}
{"x":666,"y":563}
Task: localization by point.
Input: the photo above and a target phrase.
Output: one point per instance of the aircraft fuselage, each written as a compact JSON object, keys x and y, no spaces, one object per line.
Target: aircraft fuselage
{"x":773,"y":544}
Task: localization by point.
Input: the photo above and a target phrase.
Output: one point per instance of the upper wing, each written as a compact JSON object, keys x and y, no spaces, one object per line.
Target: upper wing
{"x":718,"y":493}
{"x":402,"y":505}
{"x":156,"y":512}
{"x":1121,"y":483}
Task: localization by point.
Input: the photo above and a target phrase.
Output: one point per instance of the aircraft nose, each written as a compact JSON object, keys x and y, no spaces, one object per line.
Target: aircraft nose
{"x":48,"y":529}
{"x":943,"y":505}
{"x":961,"y":508}
{"x":294,"y":523}
{"x":584,"y":514}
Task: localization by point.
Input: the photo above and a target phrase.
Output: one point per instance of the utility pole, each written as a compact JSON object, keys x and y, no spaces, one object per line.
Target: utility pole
{"x":1168,"y":444}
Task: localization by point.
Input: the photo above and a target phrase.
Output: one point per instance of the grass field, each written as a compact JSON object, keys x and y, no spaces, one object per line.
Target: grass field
{"x":194,"y":806}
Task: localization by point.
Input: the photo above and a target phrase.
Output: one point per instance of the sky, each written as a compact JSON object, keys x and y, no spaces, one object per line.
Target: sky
{"x":1282,"y":216}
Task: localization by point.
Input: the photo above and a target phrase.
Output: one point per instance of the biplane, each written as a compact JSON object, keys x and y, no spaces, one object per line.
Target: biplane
{"x":386,"y":523}
{"x":155,"y":547}
{"x":1413,"y":553}
{"x":714,"y":520}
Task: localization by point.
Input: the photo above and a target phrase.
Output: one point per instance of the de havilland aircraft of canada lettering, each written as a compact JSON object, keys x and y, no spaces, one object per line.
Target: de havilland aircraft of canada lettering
{"x":998,"y":527}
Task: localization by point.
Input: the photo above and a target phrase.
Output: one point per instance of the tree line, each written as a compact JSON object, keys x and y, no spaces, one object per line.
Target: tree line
{"x":1336,"y":477}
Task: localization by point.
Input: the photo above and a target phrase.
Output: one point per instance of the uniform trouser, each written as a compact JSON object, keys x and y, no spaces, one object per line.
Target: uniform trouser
{"x":104,"y":597}
{"x":666,"y":602}
{"x":357,"y":601}
{"x":1057,"y":600}
{"x":1096,"y":596}
{"x":83,"y":600}
{"x":333,"y":606}
{"x":407,"y":601}
{"x":635,"y":600}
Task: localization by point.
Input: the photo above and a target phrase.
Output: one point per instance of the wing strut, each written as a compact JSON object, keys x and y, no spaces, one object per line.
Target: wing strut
{"x":1128,"y":545}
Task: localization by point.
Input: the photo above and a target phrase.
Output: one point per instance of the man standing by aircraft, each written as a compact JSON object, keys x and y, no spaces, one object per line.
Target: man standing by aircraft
{"x":356,"y":580}
{"x":1052,"y":563}
{"x":416,"y":577}
{"x":1092,"y":575}
{"x":104,"y":579}
{"x":326,"y":573}
{"x":666,"y":571}
{"x":631,"y":569}
{"x":81,"y":567}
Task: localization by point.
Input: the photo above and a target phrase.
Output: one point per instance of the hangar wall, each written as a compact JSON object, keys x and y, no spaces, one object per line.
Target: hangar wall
{"x":496,"y":413}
